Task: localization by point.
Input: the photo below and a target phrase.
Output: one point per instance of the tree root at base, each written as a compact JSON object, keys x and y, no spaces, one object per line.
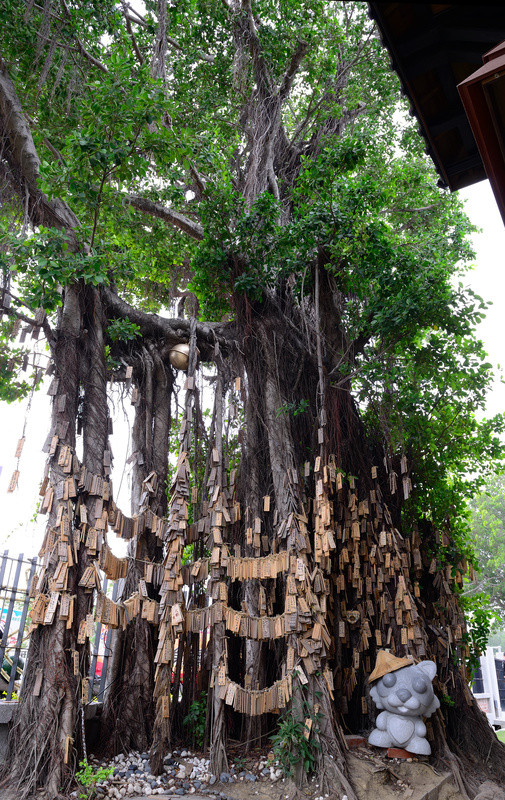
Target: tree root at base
{"x":333,"y":780}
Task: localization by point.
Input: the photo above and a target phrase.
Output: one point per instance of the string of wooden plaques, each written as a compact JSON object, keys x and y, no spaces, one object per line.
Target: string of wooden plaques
{"x":69,"y":502}
{"x":384,"y":557}
{"x":252,"y":702}
{"x":357,"y":572}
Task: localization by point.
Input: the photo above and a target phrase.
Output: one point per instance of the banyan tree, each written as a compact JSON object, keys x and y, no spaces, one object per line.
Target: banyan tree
{"x":220,"y":211}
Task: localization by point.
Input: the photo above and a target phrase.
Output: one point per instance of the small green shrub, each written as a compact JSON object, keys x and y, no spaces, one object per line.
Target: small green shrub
{"x":291,"y":745}
{"x":240,"y":764}
{"x":195,"y":720}
{"x":87,"y":778}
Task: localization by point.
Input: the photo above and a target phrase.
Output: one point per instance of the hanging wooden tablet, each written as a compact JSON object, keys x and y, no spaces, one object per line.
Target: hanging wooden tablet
{"x":81,"y":636}
{"x":68,"y":749}
{"x":51,"y":608}
{"x":39,"y":676}
{"x":70,"y":617}
{"x":65,"y":606}
{"x":89,"y":626}
{"x":301,"y":675}
{"x":75,"y":662}
{"x":328,"y":675}
{"x":221,"y":675}
{"x":13,"y":481}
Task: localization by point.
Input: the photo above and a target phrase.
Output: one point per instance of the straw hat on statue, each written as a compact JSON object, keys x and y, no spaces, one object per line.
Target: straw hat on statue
{"x":387,"y":662}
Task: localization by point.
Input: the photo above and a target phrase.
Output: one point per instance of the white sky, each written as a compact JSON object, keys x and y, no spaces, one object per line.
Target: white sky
{"x":19,"y":534}
{"x":488,"y":278}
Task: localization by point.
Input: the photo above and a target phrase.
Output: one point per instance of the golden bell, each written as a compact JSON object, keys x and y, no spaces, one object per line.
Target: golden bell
{"x":179,"y":356}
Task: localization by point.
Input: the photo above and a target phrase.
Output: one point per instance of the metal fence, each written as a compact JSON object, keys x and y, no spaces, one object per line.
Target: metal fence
{"x":16,"y":573}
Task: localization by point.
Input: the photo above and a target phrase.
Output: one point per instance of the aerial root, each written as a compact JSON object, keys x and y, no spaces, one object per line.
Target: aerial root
{"x":333,"y":780}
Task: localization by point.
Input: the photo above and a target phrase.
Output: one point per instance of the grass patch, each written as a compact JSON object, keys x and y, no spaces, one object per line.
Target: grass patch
{"x":501,"y":735}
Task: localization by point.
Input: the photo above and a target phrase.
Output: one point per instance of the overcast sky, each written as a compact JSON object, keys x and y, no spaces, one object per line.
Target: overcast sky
{"x":19,"y":534}
{"x":488,"y":277}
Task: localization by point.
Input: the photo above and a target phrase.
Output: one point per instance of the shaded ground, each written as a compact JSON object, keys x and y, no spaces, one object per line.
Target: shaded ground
{"x":374,"y":777}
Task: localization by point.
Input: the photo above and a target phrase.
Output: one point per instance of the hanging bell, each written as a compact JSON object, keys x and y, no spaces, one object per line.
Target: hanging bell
{"x":179,"y":356}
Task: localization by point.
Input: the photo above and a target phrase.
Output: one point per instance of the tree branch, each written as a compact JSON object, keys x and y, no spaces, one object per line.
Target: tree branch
{"x":80,"y":46}
{"x":296,"y":60}
{"x":173,"y":42}
{"x":193,"y":229}
{"x":173,"y":331}
{"x":140,"y":57}
{"x":251,"y":34}
{"x":138,"y":18}
{"x":12,"y":312}
{"x":45,"y":141}
{"x":20,"y":153}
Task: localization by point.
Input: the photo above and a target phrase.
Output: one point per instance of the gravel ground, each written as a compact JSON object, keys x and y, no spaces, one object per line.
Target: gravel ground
{"x":184,"y":773}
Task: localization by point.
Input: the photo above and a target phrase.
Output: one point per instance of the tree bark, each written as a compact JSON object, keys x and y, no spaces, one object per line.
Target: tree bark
{"x":44,"y":720}
{"x":129,"y":709}
{"x":217,"y":755}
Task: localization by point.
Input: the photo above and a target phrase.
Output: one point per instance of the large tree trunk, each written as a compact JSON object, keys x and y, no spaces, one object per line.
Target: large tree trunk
{"x":129,"y":709}
{"x":218,"y":757}
{"x":286,"y":463}
{"x":47,"y":712}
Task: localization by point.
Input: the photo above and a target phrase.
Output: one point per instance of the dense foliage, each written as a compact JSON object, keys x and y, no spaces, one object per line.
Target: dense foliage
{"x":174,"y":129}
{"x":487,"y":519}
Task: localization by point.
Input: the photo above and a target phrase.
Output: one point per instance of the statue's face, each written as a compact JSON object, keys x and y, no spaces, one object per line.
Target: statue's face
{"x":408,"y":691}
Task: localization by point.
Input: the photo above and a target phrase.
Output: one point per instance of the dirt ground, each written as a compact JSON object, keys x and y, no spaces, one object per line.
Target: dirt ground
{"x":374,"y":778}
